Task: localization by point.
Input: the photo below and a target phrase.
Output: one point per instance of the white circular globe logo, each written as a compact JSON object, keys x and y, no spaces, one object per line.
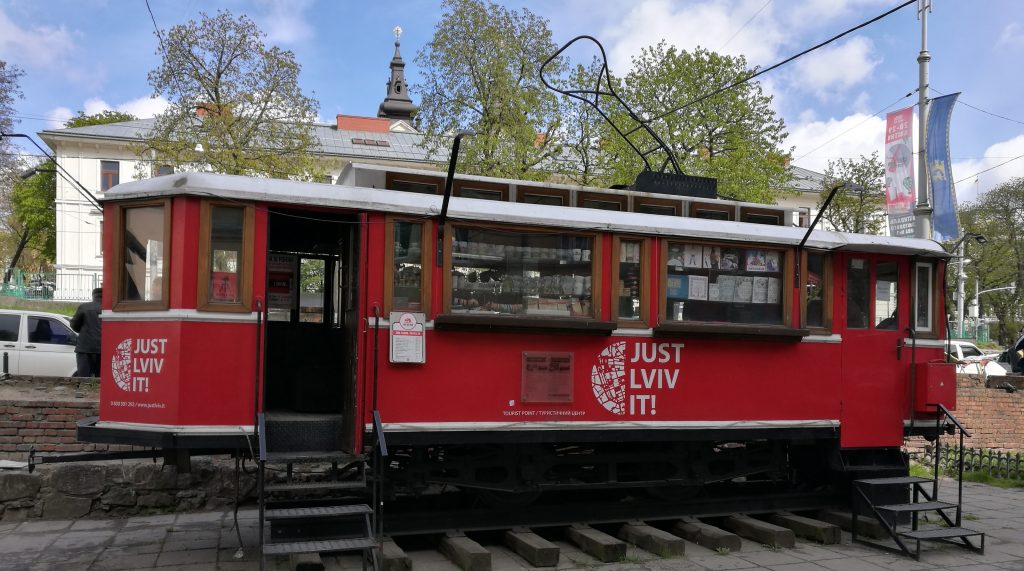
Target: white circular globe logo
{"x":608,"y":378}
{"x":121,"y":365}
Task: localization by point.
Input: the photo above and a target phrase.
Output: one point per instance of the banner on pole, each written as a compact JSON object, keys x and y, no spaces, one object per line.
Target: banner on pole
{"x":899,"y":171}
{"x":944,"y":224}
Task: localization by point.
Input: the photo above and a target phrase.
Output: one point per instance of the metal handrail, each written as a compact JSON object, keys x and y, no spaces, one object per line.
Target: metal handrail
{"x":380,"y":449}
{"x":945,"y":413}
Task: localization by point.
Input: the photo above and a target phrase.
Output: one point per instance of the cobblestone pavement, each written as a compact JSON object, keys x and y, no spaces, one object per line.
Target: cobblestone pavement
{"x":209,"y":541}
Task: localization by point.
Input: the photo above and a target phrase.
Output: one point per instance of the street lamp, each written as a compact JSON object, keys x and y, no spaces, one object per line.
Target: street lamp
{"x":961,"y":277}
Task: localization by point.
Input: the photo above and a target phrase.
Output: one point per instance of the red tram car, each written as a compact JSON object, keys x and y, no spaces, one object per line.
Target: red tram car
{"x":544,"y":336}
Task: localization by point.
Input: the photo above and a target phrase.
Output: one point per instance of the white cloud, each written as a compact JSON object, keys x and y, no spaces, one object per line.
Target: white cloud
{"x":1013,"y":35}
{"x":42,"y":46}
{"x":835,"y":68}
{"x":708,"y":24}
{"x":142,"y":107}
{"x":818,"y":142}
{"x":285,"y":21}
{"x":1001,"y":152}
{"x":57,"y":116}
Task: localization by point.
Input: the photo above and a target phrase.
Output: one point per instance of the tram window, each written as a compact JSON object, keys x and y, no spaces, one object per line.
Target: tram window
{"x":886,"y":274}
{"x":817,"y":284}
{"x":707,"y":283}
{"x":509,"y":272}
{"x":535,"y":198}
{"x":312,"y":274}
{"x":923,"y":300}
{"x":142,"y":251}
{"x":225,"y":254}
{"x":631,"y":296}
{"x":225,"y":262}
{"x":602,"y":201}
{"x":858,"y":280}
{"x":407,"y":266}
{"x":481,"y":193}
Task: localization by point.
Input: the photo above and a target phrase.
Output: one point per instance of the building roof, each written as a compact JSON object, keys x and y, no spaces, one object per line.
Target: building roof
{"x":395,"y":145}
{"x":399,"y":144}
{"x":805,"y":180}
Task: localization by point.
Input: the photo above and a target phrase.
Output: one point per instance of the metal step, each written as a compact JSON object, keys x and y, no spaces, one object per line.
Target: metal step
{"x":314,"y":512}
{"x":940,"y":533}
{"x":312,"y":486}
{"x":322,"y":546}
{"x":893,"y":481}
{"x":310,"y":456}
{"x":918,"y":507}
{"x":301,"y":431}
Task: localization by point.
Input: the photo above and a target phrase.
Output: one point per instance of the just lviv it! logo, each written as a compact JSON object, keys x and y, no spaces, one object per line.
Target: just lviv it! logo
{"x":135,"y":361}
{"x":628,"y":377}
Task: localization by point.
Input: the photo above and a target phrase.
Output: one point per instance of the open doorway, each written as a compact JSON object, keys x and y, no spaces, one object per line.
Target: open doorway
{"x":310,"y":342}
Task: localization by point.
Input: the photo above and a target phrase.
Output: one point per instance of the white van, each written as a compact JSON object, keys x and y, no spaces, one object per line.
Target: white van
{"x":37,"y":343}
{"x":971,"y":361}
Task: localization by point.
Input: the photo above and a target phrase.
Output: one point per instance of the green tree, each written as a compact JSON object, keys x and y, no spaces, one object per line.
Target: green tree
{"x":236,"y":97}
{"x":999,"y":215}
{"x":481,"y":72}
{"x":733,"y":136}
{"x":859,"y":206}
{"x":33,"y":219}
{"x":102,"y":118}
{"x":581,"y":132}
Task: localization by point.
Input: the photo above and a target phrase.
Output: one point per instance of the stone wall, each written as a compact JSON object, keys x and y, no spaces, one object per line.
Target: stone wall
{"x":70,"y":491}
{"x":994,"y":416}
{"x":46,"y":425}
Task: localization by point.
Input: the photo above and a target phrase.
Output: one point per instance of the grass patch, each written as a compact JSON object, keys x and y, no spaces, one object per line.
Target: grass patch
{"x":723,"y":551}
{"x":922,"y":471}
{"x":62,"y":307}
{"x":986,"y":478}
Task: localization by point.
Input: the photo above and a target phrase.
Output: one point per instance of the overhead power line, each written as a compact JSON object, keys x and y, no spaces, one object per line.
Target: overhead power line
{"x":960,"y":101}
{"x":988,"y":169}
{"x":876,"y":114}
{"x":745,"y":24}
{"x":783,"y":62}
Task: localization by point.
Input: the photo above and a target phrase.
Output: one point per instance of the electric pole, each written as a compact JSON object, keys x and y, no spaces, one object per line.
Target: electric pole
{"x":923,"y":211}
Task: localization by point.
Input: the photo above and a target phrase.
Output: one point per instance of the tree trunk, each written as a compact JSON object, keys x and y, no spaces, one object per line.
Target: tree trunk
{"x":17,"y":256}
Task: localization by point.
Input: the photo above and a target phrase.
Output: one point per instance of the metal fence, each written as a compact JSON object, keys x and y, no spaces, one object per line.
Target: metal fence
{"x":971,"y":332}
{"x":58,"y":286}
{"x":996,"y":463}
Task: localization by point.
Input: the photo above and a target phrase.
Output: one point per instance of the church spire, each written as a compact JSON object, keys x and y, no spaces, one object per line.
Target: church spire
{"x":397,"y":104}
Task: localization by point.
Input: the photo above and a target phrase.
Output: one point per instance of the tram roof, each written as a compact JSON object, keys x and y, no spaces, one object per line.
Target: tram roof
{"x":299,"y":194}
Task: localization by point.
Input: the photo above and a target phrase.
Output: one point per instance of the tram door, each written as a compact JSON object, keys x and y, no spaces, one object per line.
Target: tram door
{"x":875,"y":314}
{"x":310,"y":341}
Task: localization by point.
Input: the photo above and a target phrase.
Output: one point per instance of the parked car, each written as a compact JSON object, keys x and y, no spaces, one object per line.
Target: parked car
{"x":971,"y":360}
{"x":37,"y":343}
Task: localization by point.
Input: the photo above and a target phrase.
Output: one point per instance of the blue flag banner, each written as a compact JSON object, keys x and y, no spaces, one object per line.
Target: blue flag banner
{"x":944,"y":225}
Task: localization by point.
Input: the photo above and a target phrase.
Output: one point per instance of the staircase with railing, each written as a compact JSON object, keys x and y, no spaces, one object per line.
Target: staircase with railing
{"x":892,"y":515}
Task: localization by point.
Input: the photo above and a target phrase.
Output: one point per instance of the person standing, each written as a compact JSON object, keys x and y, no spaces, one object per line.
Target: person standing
{"x":86,"y":323}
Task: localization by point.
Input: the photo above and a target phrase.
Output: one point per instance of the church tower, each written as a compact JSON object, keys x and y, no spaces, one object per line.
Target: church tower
{"x":397,"y":105}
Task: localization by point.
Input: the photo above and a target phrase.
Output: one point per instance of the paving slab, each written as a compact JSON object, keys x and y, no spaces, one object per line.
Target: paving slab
{"x":208,"y":540}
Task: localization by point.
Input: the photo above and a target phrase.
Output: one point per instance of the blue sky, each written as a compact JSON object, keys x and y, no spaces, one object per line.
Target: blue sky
{"x":95,"y":54}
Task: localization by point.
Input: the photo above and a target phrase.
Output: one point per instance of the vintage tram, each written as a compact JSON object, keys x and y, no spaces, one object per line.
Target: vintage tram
{"x":537,"y":337}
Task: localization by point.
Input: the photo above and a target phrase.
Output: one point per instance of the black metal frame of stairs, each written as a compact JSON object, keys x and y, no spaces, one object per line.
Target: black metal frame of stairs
{"x":888,"y":515}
